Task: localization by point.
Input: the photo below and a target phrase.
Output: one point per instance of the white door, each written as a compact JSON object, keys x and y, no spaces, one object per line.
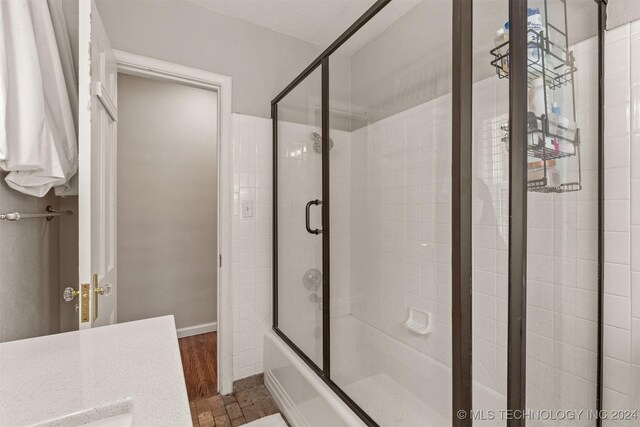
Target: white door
{"x":98,"y":117}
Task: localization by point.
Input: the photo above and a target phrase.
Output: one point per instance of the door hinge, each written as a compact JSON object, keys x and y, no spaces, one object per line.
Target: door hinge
{"x":220,"y":256}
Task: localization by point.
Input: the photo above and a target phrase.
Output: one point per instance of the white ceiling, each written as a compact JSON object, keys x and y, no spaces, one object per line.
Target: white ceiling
{"x":318,"y":22}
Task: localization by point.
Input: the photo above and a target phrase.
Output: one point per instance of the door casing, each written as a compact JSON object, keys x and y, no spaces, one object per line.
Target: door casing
{"x":143,"y":66}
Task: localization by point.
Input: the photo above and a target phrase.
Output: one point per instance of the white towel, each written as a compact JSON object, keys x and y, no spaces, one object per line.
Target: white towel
{"x":38,"y":145}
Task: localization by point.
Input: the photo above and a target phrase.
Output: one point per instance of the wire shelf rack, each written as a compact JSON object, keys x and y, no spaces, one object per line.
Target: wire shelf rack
{"x":550,"y":136}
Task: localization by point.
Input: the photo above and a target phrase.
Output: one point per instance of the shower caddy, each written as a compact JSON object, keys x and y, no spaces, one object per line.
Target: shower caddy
{"x":554,"y":65}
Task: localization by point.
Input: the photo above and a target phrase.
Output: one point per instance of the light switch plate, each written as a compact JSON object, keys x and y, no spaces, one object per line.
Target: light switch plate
{"x":247,"y":209}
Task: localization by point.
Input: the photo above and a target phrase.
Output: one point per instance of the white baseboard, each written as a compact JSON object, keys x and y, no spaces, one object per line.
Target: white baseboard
{"x":197,"y":329}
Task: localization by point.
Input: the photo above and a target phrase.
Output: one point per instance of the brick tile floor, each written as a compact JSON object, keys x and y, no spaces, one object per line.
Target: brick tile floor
{"x":251,"y":400}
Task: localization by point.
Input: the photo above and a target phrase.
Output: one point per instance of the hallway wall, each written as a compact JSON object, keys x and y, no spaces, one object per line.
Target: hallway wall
{"x":167,"y":202}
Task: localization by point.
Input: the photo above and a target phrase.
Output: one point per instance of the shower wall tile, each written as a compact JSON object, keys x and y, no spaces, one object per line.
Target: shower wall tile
{"x":617,"y":50}
{"x":622,"y":236}
{"x":617,"y":185}
{"x":616,"y":247}
{"x":618,"y":279}
{"x":634,"y":141}
{"x":617,"y":215}
{"x":618,"y":236}
{"x":402,"y":171}
{"x":490,"y":212}
{"x":400,"y":224}
{"x":400,"y":175}
{"x":251,"y":242}
{"x":562,"y":338}
{"x":618,"y":313}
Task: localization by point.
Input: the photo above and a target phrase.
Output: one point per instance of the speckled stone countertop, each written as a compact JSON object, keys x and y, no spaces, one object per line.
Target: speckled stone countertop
{"x":81,"y":376}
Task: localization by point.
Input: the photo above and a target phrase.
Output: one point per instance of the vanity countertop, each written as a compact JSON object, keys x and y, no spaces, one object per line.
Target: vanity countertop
{"x":65,"y":379}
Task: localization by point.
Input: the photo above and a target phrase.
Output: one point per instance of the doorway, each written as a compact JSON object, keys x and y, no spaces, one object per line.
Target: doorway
{"x":167,"y":215}
{"x":189,"y":168}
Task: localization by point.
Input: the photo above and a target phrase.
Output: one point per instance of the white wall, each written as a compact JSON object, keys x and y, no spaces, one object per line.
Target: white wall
{"x":622,"y":220}
{"x":261,"y":62}
{"x":167,"y":201}
{"x":620,"y":12}
{"x":29,"y":268}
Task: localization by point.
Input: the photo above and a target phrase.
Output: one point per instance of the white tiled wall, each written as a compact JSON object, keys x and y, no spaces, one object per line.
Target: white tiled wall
{"x":251,"y":242}
{"x":490,"y":233}
{"x":562,"y":297}
{"x":562,"y":308}
{"x":401,"y":224}
{"x":400,"y":242}
{"x":622,"y":220}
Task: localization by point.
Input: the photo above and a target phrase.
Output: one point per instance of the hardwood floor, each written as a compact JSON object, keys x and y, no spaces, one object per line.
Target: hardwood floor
{"x":199,"y":361}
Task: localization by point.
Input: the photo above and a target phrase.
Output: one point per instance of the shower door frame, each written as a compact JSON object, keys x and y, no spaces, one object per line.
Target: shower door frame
{"x":518,"y":194}
{"x":461,"y":214}
{"x":602,"y":26}
{"x":322,"y":61}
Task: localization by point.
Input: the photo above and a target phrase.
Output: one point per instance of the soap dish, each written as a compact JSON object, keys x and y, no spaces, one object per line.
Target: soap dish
{"x":419,"y":321}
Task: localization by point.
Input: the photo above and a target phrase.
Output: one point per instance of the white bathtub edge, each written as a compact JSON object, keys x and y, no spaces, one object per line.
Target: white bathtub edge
{"x":293,"y":413}
{"x":285,"y":404}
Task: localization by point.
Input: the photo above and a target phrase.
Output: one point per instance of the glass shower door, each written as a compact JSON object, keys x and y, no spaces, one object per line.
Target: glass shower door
{"x":562,"y":359}
{"x":299,"y":219}
{"x":390,"y":117}
{"x":460,"y":263}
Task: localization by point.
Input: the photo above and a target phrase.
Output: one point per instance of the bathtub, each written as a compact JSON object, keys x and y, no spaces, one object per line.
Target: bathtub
{"x":394,"y":383}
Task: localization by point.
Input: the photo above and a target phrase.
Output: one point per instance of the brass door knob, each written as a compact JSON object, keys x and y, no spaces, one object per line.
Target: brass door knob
{"x":105,"y":290}
{"x":70,"y":293}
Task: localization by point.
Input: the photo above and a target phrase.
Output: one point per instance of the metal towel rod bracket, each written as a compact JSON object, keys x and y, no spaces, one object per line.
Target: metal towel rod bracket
{"x":49,"y":215}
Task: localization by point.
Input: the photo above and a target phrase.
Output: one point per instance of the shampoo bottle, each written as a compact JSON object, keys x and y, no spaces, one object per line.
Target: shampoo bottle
{"x":534,"y":28}
{"x":502,"y":37}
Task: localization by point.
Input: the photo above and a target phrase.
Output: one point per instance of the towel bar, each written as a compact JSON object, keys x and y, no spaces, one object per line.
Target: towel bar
{"x":49,"y":215}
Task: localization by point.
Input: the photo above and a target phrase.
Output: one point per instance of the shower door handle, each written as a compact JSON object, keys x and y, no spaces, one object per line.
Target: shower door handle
{"x":307,"y":215}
